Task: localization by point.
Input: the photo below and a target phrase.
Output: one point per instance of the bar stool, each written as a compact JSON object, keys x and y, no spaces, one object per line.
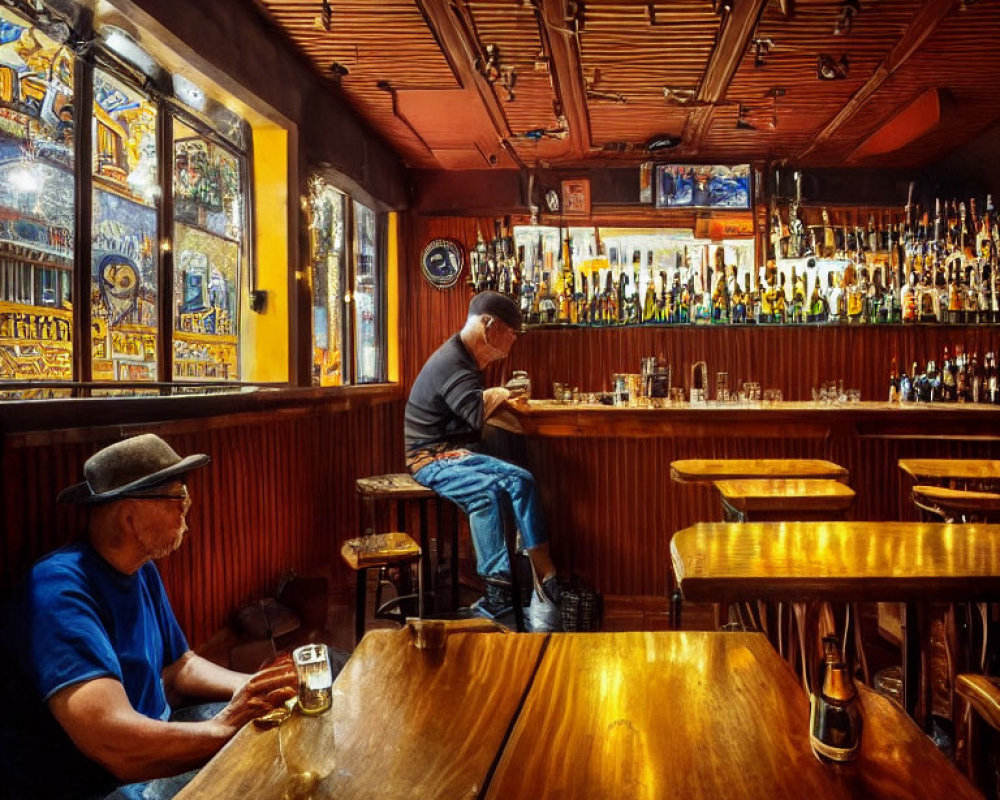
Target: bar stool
{"x":382,"y":551}
{"x":375,"y":491}
{"x":376,"y":496}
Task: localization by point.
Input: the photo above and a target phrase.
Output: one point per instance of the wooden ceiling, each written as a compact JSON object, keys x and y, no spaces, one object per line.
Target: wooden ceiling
{"x":470,"y":84}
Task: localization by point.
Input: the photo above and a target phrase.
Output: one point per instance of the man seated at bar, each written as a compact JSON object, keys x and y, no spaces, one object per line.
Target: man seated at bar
{"x":444,"y":418}
{"x":99,"y":658}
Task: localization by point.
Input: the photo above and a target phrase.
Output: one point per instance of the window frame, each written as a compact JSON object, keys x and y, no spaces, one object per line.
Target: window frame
{"x":90,"y":54}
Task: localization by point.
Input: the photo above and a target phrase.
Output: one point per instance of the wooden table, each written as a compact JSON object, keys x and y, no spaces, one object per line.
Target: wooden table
{"x":760,"y":499}
{"x":908,"y":562}
{"x":627,"y":715}
{"x":709,"y":470}
{"x":953,"y":472}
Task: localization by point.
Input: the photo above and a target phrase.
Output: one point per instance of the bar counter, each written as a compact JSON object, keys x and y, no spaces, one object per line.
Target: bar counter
{"x":604,"y":471}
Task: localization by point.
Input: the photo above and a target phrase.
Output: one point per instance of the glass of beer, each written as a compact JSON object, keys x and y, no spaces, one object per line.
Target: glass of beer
{"x":312,"y":666}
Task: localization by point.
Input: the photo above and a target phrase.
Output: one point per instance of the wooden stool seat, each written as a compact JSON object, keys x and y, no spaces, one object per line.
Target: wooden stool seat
{"x":709,"y":470}
{"x":786,"y":498}
{"x":382,"y":550}
{"x":379,"y":550}
{"x":972,"y":473}
{"x":956,"y":505}
{"x":395,"y":486}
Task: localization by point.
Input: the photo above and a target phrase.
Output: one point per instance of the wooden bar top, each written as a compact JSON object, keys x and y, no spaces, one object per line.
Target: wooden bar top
{"x":837,"y":561}
{"x":937,"y":470}
{"x":615,"y":716}
{"x":774,"y":421}
{"x":647,"y":716}
{"x":709,"y":470}
{"x":795,"y":494}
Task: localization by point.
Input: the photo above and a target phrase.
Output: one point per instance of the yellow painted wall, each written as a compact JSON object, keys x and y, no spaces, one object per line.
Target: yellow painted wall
{"x":392,"y":304}
{"x":265,"y":353}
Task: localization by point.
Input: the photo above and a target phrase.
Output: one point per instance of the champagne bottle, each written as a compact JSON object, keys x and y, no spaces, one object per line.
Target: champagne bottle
{"x":835,"y":717}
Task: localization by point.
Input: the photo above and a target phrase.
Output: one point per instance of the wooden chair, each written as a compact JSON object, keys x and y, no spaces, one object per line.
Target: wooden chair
{"x":977,"y":727}
{"x":382,"y":551}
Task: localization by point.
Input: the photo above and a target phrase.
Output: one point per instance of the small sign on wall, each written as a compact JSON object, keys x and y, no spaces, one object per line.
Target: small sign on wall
{"x":646,"y":182}
{"x":576,"y":197}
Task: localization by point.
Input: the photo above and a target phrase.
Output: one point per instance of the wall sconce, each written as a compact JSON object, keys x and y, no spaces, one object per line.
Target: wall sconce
{"x":829,"y":70}
{"x":761,"y":48}
{"x":489,"y":67}
{"x":848,"y":11}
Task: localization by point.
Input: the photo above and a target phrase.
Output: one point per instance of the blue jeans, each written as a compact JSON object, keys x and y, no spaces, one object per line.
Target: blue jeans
{"x":485,"y":487}
{"x":165,"y":788}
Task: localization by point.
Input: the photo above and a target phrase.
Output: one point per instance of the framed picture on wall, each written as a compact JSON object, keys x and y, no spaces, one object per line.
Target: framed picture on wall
{"x":576,"y":197}
{"x":703,"y":186}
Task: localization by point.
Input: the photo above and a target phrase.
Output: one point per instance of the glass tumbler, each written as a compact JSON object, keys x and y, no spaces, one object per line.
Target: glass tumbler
{"x":312,"y":667}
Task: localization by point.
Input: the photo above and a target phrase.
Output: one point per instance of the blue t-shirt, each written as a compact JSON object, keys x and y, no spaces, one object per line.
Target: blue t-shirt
{"x":77,"y":619}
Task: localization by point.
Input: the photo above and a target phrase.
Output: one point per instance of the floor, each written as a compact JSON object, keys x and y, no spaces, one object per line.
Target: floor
{"x":620,"y":613}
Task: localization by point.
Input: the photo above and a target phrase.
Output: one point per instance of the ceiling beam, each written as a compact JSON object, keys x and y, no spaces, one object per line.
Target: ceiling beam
{"x":735,"y":33}
{"x":567,"y":74}
{"x":461,"y":53}
{"x":920,"y":28}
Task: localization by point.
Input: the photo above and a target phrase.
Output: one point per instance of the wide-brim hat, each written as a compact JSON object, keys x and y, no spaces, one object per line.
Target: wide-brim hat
{"x":130,"y":465}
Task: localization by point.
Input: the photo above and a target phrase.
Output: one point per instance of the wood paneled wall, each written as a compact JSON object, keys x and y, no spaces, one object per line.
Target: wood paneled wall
{"x":278,"y":495}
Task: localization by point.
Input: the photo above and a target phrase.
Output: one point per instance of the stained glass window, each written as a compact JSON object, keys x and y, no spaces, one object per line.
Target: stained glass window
{"x":124,"y":286}
{"x":36,"y":203}
{"x":208,"y":250}
{"x":326,"y":255}
{"x":367,"y":322}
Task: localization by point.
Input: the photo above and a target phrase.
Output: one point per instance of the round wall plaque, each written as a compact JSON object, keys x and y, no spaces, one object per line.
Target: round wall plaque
{"x":441,"y":262}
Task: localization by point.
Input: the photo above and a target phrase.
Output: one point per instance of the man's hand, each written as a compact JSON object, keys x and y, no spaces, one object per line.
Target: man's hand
{"x":265,"y":691}
{"x":493,"y":398}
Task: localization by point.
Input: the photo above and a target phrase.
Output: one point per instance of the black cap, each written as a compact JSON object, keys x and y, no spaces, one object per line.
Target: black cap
{"x":496,"y":305}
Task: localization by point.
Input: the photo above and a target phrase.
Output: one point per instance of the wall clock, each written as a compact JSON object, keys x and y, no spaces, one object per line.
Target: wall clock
{"x":441,"y":263}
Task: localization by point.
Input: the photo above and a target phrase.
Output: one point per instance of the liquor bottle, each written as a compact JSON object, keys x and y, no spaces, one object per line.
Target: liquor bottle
{"x":906,"y":386}
{"x":992,"y":395}
{"x":893,"y":383}
{"x":933,"y":383}
{"x":962,"y":389}
{"x":948,"y":372}
{"x":835,"y":716}
{"x":975,"y":380}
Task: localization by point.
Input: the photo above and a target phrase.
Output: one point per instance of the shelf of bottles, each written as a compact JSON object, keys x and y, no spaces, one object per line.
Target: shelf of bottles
{"x":959,"y":377}
{"x":846,"y":266}
{"x":615,"y":276}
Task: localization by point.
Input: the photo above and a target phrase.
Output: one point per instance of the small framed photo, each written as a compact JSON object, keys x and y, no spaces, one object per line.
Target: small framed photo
{"x":576,"y":197}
